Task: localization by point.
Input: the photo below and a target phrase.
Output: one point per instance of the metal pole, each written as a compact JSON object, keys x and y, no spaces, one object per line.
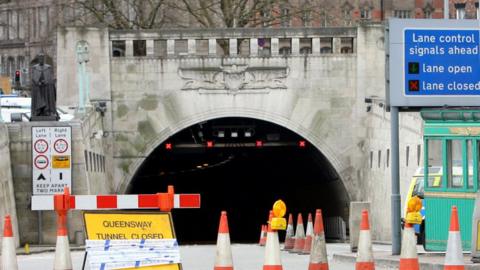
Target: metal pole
{"x":446,"y":7}
{"x":40,"y":228}
{"x":395,"y":199}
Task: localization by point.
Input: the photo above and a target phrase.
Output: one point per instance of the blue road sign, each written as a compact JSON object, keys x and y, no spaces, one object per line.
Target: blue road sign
{"x":433,"y":63}
{"x":441,"y":62}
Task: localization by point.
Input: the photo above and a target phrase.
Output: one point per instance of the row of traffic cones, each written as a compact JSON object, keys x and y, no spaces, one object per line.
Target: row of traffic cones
{"x":63,"y":259}
{"x":299,"y":242}
{"x":269,"y":238}
{"x":408,"y":256}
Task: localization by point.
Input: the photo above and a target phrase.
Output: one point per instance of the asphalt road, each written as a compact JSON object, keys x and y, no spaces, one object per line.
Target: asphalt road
{"x":202,"y":257}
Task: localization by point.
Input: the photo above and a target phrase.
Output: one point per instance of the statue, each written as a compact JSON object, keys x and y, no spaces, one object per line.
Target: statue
{"x":44,"y":95}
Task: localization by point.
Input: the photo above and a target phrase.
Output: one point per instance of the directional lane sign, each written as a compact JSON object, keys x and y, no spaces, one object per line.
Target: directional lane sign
{"x":434,"y":63}
{"x":51,"y":159}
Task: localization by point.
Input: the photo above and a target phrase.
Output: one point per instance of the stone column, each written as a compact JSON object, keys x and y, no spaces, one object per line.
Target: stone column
{"x":191,"y":46}
{"x":295,"y":46}
{"x":253,"y":47}
{"x":150,"y":47}
{"x":212,"y":46}
{"x":170,"y":47}
{"x":128,"y":48}
{"x":233,"y":46}
{"x":274,"y":46}
{"x":315,"y":45}
{"x":337,"y":45}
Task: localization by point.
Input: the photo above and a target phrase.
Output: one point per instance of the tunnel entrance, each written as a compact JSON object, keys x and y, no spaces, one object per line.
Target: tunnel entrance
{"x":240,"y":165}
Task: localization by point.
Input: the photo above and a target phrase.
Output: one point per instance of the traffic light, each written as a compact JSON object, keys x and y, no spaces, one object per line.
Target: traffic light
{"x":17,"y":76}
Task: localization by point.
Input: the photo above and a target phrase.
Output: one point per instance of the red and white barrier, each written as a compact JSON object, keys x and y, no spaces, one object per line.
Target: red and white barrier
{"x":99,"y":202}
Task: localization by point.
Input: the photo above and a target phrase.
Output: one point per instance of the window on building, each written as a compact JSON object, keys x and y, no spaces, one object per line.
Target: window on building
{"x":388,"y":157}
{"x":139,"y":48}
{"x":371,"y":159}
{"x":326,"y":45}
{"x":285,"y":17}
{"x":285,"y":45}
{"x":365,"y":13}
{"x":85,"y":153}
{"x":265,"y":16}
{"x":419,"y":153}
{"x":118,"y":48}
{"x":478,"y":11}
{"x":402,"y":14}
{"x":306,"y":19}
{"x":347,"y":12}
{"x":305,"y":46}
{"x":379,"y":158}
{"x":346,"y":45}
{"x":460,"y":11}
{"x":407,"y":155}
{"x":428,"y":11}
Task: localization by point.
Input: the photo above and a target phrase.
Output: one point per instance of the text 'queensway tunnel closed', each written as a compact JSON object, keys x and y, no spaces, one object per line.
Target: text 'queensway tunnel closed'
{"x":123,"y":226}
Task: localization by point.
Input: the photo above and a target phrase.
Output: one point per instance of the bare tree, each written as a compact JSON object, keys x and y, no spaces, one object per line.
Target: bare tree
{"x":242,"y":13}
{"x":115,"y":14}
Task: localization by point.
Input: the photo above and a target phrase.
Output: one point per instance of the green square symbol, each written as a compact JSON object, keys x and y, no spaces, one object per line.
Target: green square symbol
{"x":413,"y":68}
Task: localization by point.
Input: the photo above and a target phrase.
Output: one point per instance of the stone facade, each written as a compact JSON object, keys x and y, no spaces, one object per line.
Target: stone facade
{"x":7,"y":196}
{"x":28,"y":27}
{"x":316,"y":92}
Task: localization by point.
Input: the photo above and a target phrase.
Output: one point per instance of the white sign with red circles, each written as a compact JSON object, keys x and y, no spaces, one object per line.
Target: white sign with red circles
{"x":51,"y":159}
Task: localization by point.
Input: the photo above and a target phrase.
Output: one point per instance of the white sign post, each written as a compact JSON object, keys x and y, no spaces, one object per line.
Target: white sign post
{"x":51,"y":159}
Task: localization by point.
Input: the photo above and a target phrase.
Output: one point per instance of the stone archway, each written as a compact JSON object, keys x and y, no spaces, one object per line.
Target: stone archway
{"x":320,"y":144}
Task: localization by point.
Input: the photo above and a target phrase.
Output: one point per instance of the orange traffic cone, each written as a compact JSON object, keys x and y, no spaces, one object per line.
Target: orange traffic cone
{"x":272,"y":250}
{"x":318,"y":254}
{"x":308,"y":238}
{"x":223,"y":259}
{"x":263,"y":236}
{"x":289,"y":235}
{"x":299,"y":236}
{"x":453,"y":256}
{"x":63,"y":258}
{"x":9,"y":256}
{"x":408,"y":256}
{"x":365,"y":254}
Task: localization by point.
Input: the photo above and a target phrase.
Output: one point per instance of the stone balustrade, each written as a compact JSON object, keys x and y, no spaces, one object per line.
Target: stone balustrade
{"x":245,"y":42}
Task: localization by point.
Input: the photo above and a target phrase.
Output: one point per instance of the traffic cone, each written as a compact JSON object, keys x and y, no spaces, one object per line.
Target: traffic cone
{"x":299,"y":236}
{"x":365,"y":254}
{"x":318,"y":253}
{"x":223,"y":259}
{"x":308,"y":238}
{"x":262,"y":231}
{"x":63,"y":258}
{"x":272,"y":250}
{"x":9,"y":256}
{"x":289,"y":235}
{"x":454,"y":256}
{"x":408,"y":256}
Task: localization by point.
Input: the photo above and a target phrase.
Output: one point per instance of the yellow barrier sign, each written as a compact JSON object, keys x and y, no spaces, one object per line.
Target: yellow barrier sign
{"x":60,"y":162}
{"x":131,"y":225}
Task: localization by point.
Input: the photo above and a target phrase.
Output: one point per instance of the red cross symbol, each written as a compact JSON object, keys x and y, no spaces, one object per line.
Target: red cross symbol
{"x":413,"y":85}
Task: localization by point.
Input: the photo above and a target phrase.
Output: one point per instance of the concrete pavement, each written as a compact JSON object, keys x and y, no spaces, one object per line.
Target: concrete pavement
{"x":250,"y":257}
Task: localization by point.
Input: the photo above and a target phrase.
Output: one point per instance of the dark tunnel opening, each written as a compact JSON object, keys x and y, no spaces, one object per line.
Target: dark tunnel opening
{"x":242,"y":166}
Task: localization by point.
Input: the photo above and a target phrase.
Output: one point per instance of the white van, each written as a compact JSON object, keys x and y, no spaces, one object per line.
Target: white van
{"x":20,"y":107}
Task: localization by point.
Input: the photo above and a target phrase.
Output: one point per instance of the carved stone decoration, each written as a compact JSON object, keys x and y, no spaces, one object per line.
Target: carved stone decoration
{"x":234,"y":78}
